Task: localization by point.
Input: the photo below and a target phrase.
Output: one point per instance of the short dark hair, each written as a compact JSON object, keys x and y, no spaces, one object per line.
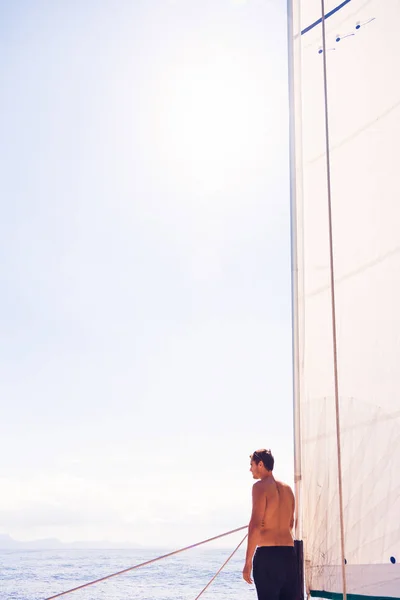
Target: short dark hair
{"x":264,"y":456}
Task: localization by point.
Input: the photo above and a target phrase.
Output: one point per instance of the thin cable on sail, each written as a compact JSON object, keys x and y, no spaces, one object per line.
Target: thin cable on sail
{"x":333,"y":304}
{"x":220,"y":569}
{"x":147,"y":562}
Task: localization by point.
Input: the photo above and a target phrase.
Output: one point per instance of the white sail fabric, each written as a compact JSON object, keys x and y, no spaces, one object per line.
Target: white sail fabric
{"x":363,"y":68}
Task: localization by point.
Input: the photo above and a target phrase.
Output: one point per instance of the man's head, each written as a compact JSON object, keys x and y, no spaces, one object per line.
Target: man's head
{"x":261,"y":463}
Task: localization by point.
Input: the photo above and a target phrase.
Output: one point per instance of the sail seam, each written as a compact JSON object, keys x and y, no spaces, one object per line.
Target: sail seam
{"x":355,"y":272}
{"x":357,"y":132}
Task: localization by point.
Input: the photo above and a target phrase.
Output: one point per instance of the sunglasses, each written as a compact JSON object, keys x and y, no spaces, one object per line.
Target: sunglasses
{"x":260,"y":454}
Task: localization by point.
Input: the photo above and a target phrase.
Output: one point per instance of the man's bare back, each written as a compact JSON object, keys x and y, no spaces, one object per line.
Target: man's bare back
{"x":270,"y":538}
{"x":277,"y":523}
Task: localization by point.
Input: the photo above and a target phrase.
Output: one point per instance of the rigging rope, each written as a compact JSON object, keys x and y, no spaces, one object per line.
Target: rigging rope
{"x":333,"y":300}
{"x":220,"y":569}
{"x":148,"y":562}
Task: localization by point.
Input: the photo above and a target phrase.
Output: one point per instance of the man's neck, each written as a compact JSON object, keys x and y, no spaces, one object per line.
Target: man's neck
{"x":267,"y":475}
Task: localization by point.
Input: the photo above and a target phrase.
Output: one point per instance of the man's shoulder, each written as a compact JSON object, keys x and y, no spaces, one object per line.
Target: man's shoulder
{"x":258,"y":485}
{"x":259,"y":489}
{"x":263,"y":486}
{"x":285,"y":487}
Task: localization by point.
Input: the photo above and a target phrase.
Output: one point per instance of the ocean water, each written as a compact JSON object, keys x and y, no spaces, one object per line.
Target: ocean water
{"x":38,"y":574}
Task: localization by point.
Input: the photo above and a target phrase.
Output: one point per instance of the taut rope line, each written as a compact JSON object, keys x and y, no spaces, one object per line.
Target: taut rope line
{"x":147,"y":562}
{"x":333,"y":303}
{"x":220,"y":569}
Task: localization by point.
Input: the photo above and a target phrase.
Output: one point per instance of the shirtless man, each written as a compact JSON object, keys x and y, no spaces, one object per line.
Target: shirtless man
{"x":270,"y":534}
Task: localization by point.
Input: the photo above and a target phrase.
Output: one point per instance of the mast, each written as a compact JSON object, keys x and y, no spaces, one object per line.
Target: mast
{"x":294,"y":41}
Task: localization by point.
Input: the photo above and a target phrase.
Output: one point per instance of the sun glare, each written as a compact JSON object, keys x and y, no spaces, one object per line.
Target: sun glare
{"x":213,"y":118}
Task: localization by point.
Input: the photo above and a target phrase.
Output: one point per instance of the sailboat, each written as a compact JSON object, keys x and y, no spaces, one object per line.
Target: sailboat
{"x":344,"y":79}
{"x":345,"y":160}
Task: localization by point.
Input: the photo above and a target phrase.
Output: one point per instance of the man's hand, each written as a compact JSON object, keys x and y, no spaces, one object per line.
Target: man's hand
{"x":247,"y":572}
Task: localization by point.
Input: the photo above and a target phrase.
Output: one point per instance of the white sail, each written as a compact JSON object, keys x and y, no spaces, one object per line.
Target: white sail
{"x":363,"y":79}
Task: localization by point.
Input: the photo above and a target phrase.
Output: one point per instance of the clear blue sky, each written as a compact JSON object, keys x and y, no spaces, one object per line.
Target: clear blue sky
{"x":145,"y":265}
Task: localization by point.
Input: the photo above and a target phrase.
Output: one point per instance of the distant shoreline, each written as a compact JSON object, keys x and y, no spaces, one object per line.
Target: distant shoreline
{"x":8,"y":543}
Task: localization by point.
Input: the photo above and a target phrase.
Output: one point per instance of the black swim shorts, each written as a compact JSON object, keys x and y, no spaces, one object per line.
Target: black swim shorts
{"x":275,"y":573}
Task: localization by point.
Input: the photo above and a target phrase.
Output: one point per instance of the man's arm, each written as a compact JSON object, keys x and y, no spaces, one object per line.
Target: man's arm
{"x":257,"y":515}
{"x":293,"y":505}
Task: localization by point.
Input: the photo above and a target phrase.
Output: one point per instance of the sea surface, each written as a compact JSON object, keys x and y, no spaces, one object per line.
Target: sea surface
{"x":39,"y":574}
